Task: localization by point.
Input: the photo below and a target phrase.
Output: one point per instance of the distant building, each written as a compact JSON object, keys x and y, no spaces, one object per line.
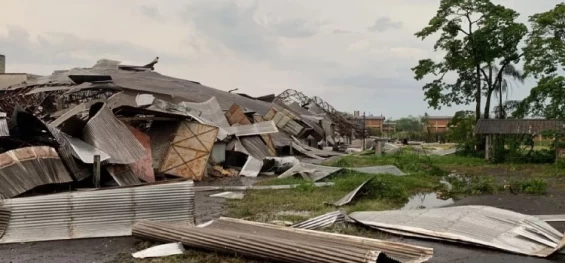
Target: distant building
{"x":373,"y":123}
{"x":389,"y":127}
{"x":9,"y":79}
{"x":437,"y":124}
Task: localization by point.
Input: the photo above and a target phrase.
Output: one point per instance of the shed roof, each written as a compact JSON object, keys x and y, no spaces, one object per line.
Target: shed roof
{"x":517,"y":126}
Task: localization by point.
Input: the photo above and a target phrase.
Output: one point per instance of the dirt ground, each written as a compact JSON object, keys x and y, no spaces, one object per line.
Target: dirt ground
{"x":104,"y":250}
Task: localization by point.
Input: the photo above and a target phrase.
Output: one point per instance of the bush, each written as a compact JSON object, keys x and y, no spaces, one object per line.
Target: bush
{"x":531,"y":186}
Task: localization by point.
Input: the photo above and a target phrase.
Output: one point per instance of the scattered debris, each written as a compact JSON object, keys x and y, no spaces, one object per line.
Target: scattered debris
{"x":251,"y":168}
{"x":316,"y":172}
{"x":164,"y":250}
{"x":552,"y":218}
{"x":256,"y":187}
{"x":219,"y":171}
{"x":349,"y":197}
{"x":325,"y":220}
{"x":293,"y":213}
{"x":279,"y":243}
{"x":479,"y":225}
{"x":96,"y":213}
{"x":229,"y":195}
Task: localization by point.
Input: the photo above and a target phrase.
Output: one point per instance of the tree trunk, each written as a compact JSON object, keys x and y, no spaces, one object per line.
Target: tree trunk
{"x":487,"y":104}
{"x":478,"y":94}
{"x":501,"y":107}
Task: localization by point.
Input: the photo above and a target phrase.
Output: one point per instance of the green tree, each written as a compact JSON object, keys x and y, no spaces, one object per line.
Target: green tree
{"x":474,"y":34}
{"x":544,"y":57}
{"x":461,"y":131}
{"x":510,"y":75}
{"x":409,"y":124}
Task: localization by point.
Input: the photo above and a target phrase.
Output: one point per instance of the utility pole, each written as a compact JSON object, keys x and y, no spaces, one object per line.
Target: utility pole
{"x":364,"y":126}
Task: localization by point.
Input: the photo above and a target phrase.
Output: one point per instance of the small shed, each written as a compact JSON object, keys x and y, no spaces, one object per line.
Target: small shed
{"x":494,"y":127}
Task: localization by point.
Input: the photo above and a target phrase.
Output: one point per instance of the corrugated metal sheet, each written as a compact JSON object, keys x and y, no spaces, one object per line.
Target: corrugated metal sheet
{"x":4,"y":220}
{"x":99,"y":213}
{"x":84,"y":151}
{"x":162,"y":134}
{"x":235,"y":115}
{"x":349,"y":197}
{"x":189,"y":151}
{"x":260,"y":128}
{"x":270,"y":245}
{"x":143,"y":168}
{"x":123,"y":175}
{"x":251,"y":168}
{"x":327,"y":241}
{"x":256,"y":187}
{"x":4,"y":130}
{"x":480,"y":225}
{"x":255,"y":146}
{"x":211,"y":110}
{"x":517,"y":126}
{"x":105,"y":132}
{"x":26,"y":168}
{"x":325,"y":220}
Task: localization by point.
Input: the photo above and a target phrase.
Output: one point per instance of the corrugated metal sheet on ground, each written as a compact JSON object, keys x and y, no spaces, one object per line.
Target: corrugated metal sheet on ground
{"x":98,"y":213}
{"x":189,"y":151}
{"x":325,"y":220}
{"x":105,"y":132}
{"x":479,"y":225}
{"x":517,"y":126}
{"x":332,"y":247}
{"x":143,"y":168}
{"x":382,"y":169}
{"x":26,"y":168}
{"x":4,"y":130}
{"x":351,"y":195}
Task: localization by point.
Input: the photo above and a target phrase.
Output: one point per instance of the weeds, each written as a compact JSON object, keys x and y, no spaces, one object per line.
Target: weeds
{"x":531,"y":186}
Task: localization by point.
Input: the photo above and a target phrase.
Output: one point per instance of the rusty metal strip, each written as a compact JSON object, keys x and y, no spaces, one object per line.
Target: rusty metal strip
{"x":97,"y":213}
{"x":26,"y":168}
{"x":105,"y":132}
{"x":143,"y":168}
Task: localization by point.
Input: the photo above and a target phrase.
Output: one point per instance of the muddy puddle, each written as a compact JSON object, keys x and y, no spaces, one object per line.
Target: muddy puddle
{"x":426,"y":200}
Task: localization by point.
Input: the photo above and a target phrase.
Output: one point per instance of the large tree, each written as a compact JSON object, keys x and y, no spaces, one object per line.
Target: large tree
{"x":474,"y":34}
{"x":545,"y":60}
{"x":409,"y":124}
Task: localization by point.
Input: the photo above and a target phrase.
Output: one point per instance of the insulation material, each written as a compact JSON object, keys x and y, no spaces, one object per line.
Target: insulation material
{"x":479,"y":225}
{"x":97,"y":213}
{"x":105,"y":132}
{"x":26,"y":168}
{"x":325,"y":220}
{"x":330,"y":245}
{"x":123,"y":175}
{"x":349,"y":197}
{"x":189,"y":151}
{"x":164,"y":250}
{"x":143,"y":168}
{"x":252,"y":167}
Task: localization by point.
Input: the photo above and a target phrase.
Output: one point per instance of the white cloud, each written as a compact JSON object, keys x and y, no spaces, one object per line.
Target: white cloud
{"x":322,"y":47}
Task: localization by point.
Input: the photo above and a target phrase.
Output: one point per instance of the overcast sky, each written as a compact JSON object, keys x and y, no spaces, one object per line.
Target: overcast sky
{"x":354,"y":54}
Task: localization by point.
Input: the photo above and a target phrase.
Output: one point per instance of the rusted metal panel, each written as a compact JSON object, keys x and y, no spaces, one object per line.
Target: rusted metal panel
{"x":96,"y":213}
{"x":189,"y":151}
{"x":26,"y":168}
{"x":517,"y":126}
{"x":105,"y":132}
{"x":282,"y":244}
{"x":143,"y":168}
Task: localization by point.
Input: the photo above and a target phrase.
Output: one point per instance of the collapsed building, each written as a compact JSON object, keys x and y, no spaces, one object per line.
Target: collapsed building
{"x":141,"y":126}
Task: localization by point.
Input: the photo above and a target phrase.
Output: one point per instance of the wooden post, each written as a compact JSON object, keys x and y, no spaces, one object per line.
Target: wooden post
{"x":291,"y":148}
{"x":378,"y":147}
{"x":96,"y":171}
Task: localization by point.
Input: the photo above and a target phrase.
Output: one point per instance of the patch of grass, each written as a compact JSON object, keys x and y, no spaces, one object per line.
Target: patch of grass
{"x":530,"y":186}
